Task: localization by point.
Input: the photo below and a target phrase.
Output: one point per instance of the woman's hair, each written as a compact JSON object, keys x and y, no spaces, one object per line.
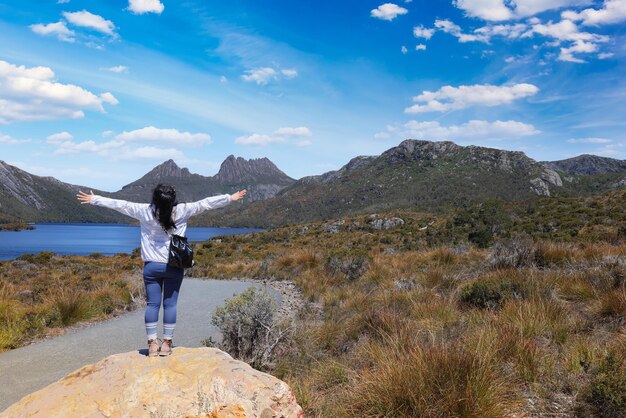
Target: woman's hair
{"x":163,"y":202}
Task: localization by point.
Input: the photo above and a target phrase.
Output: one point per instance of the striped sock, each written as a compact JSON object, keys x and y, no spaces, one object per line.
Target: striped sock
{"x":151,"y":330}
{"x":168,"y":330}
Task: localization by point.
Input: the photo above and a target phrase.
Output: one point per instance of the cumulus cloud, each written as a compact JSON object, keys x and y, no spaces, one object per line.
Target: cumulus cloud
{"x":89,"y":20}
{"x":388,"y":11}
{"x":152,"y":134}
{"x":9,"y":140}
{"x":58,"y":29}
{"x":568,"y":31}
{"x":300,"y":131}
{"x":263,"y":75}
{"x":589,"y":141}
{"x":499,"y":10}
{"x":145,"y":6}
{"x":453,"y":29}
{"x":613,"y":11}
{"x":420,"y":47}
{"x":498,"y":130}
{"x":59,"y":137}
{"x":422,"y":32}
{"x":404,"y":50}
{"x":151,"y":153}
{"x":279,"y":135}
{"x":289,"y":73}
{"x":62,"y":1}
{"x":30,"y":94}
{"x":451,"y":98}
{"x":124,"y":146}
{"x":259,"y":139}
{"x":117,"y":69}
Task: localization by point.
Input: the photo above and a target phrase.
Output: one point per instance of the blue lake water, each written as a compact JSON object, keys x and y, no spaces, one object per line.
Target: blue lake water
{"x":85,"y":239}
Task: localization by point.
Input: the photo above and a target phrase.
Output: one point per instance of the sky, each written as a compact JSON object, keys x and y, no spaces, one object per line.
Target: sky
{"x":97,"y":92}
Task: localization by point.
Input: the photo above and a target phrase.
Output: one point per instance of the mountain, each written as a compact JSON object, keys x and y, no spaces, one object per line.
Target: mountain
{"x":259,"y":176}
{"x":587,"y":165}
{"x":25,"y":196}
{"x":417,"y":174}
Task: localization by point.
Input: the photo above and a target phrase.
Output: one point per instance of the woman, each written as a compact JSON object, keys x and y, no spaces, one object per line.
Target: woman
{"x":164,"y":216}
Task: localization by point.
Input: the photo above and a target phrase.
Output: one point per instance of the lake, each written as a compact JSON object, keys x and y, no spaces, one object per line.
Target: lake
{"x":85,"y":239}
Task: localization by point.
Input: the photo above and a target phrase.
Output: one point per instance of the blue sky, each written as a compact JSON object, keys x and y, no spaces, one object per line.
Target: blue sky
{"x":98,"y":92}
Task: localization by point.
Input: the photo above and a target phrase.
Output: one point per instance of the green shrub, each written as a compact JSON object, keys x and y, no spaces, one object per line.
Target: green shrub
{"x":606,"y":392}
{"x":490,"y":292}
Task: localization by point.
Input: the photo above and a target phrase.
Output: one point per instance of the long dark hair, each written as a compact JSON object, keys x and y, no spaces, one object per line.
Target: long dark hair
{"x":163,"y":202}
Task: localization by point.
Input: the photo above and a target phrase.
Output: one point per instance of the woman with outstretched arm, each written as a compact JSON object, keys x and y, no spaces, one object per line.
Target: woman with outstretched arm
{"x":160,"y":219}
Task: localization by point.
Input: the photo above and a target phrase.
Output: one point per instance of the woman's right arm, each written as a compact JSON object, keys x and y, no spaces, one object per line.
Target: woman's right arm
{"x":134,"y":210}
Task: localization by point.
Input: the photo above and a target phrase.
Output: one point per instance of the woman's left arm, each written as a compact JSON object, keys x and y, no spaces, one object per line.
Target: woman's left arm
{"x":213,"y":202}
{"x":134,"y":210}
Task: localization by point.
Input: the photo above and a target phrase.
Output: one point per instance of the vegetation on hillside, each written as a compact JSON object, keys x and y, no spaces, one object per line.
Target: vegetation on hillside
{"x":497,"y":309}
{"x":44,"y":293}
{"x":416,"y":320}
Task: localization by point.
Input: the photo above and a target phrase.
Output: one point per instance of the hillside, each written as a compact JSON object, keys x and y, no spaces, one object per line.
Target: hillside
{"x":422,"y":175}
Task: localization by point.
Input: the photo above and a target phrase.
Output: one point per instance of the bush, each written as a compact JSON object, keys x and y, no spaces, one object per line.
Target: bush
{"x":249,"y":329}
{"x":352,"y":267}
{"x":512,"y":253}
{"x":606,"y":392}
{"x":491,"y":292}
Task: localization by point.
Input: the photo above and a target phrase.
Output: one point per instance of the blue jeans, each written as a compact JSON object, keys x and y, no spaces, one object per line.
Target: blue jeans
{"x":161,"y":280}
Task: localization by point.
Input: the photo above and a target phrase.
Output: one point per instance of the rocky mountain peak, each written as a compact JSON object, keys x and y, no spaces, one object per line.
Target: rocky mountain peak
{"x":168,"y":169}
{"x":239,"y":170}
{"x":417,"y":149}
{"x":586,"y":165}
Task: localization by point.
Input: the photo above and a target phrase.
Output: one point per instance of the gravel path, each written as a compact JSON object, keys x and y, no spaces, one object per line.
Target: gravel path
{"x":30,"y":368}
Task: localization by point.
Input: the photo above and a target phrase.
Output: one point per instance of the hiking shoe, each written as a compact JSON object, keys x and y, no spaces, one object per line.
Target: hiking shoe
{"x":153,"y":347}
{"x":166,"y":347}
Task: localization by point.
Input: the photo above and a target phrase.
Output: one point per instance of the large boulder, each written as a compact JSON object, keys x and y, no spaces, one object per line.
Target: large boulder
{"x":192,"y":382}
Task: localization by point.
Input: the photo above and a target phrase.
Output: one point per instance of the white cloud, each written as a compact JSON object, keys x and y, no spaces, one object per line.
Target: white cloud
{"x":420,"y":47}
{"x":223,"y":79}
{"x":107,"y":134}
{"x":579,"y":47}
{"x":450,"y":98}
{"x":279,"y":135}
{"x":289,"y":73}
{"x":605,"y":55}
{"x":89,"y":20}
{"x":264,"y":75}
{"x":499,"y":10}
{"x":145,"y":6}
{"x":6,"y":139}
{"x":388,"y":11}
{"x":58,"y":29}
{"x":151,"y":153}
{"x":259,"y":139}
{"x":63,"y":1}
{"x":103,"y":149}
{"x":150,"y":133}
{"x":422,"y":32}
{"x":29,"y":94}
{"x":613,"y":11}
{"x":404,"y":50}
{"x":59,"y":137}
{"x":589,"y":141}
{"x":304,"y":143}
{"x":300,"y":131}
{"x":498,"y":130}
{"x":117,"y":69}
{"x":453,"y":29}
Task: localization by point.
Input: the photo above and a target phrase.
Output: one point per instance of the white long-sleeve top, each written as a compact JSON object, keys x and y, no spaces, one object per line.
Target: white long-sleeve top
{"x":155,"y":242}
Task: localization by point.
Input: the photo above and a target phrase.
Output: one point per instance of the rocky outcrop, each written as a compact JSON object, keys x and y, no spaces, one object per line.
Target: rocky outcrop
{"x":237,"y":170}
{"x":587,"y":165}
{"x":192,"y":382}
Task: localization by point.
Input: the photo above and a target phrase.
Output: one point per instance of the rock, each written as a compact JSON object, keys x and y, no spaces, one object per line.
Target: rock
{"x":386,"y":223}
{"x":192,"y":382}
